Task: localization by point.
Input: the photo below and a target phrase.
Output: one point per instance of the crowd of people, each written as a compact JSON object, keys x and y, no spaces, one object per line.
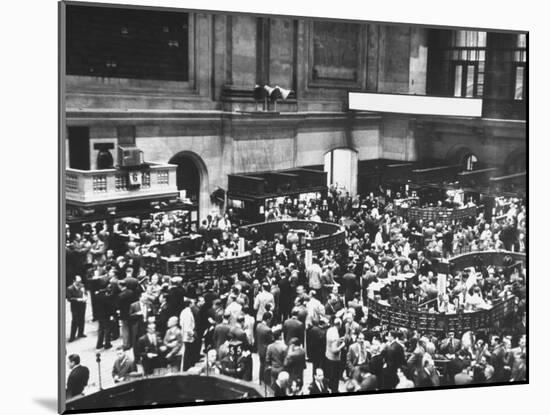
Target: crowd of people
{"x":292,"y":312}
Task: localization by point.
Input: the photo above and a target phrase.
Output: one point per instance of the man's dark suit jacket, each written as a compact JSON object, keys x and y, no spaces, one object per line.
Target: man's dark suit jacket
{"x":124,"y":300}
{"x":278,"y":391}
{"x":275,"y":356}
{"x":264,"y":337}
{"x":77,"y":381}
{"x":136,"y":307}
{"x":73,"y":294}
{"x":394,"y":355}
{"x":145,"y":346}
{"x":105,"y":305}
{"x":316,"y":343}
{"x":123,"y":369}
{"x":237,"y":333}
{"x":133,"y":284}
{"x":315,"y":390}
{"x":293,"y":328}
{"x":221,"y":333}
{"x":295,"y":363}
{"x":376,"y":365}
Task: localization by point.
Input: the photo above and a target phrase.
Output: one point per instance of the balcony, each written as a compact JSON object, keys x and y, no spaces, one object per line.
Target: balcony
{"x":89,"y":187}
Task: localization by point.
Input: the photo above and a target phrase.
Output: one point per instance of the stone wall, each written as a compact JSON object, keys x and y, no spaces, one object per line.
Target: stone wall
{"x":213,"y":114}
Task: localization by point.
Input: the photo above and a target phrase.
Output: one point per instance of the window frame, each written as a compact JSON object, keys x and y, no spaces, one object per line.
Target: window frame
{"x":77,"y":84}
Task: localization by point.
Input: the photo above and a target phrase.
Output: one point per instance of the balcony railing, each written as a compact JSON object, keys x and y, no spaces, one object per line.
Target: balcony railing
{"x":91,"y":186}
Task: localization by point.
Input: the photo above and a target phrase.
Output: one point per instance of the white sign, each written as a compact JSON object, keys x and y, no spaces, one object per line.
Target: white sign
{"x":135,"y":178}
{"x":415,"y":104}
{"x":441,"y":283}
{"x":241,"y":245}
{"x":309,"y":258}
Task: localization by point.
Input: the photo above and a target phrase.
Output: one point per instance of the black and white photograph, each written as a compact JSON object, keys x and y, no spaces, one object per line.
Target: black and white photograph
{"x":264,"y":207}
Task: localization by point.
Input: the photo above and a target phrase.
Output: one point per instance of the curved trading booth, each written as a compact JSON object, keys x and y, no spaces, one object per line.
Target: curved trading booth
{"x":315,"y":236}
{"x":167,"y":390}
{"x":436,"y":214}
{"x":413,"y":318}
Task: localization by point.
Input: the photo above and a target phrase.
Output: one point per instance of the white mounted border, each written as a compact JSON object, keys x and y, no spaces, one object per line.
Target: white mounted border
{"x":415,"y":104}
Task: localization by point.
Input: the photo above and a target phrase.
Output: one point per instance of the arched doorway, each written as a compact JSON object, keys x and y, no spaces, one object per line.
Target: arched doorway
{"x":192,"y":177}
{"x":341,"y":167}
{"x":469,"y":162}
{"x":463,"y":156}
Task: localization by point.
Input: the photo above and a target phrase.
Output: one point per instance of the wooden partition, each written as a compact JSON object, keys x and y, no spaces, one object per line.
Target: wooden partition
{"x":438,"y":322}
{"x":403,"y":316}
{"x":326,"y":236}
{"x":436,"y":214}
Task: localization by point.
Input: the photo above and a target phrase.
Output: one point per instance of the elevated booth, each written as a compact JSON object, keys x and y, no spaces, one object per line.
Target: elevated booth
{"x":251,"y":196}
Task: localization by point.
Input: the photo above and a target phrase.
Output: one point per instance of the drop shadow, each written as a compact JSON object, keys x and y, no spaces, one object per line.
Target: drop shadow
{"x":48,"y":403}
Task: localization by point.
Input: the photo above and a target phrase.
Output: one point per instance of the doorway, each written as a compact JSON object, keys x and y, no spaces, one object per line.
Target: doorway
{"x":341,"y":168}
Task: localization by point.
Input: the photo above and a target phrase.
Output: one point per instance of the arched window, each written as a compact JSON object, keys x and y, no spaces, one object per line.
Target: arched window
{"x":470,"y":162}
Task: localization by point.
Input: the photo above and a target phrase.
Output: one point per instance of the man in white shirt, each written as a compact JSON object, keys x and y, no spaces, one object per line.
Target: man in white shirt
{"x":335,"y":344}
{"x":313,"y":273}
{"x":262,"y":299}
{"x":187,"y":323}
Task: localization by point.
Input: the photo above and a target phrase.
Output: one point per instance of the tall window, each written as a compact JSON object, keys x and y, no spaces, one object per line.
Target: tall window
{"x":127,"y":43}
{"x":520,"y":58}
{"x":467,"y":57}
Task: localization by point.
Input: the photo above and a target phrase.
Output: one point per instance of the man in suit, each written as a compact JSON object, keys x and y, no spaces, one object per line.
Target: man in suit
{"x":78,"y":377}
{"x":237,"y":332}
{"x":140,"y":313}
{"x":281,"y":384}
{"x":349,"y":283}
{"x":358,"y":355}
{"x":148,"y":350}
{"x":427,"y":377}
{"x":124,"y":301}
{"x":221,"y":332}
{"x":77,"y":297}
{"x":316,"y":343}
{"x":450,"y":345}
{"x":133,"y":283}
{"x":293,"y":327}
{"x":105,"y":310}
{"x":275,"y":355}
{"x":376,"y":362}
{"x":123,"y":366}
{"x":319,"y":384}
{"x":464,"y":377}
{"x":497,"y":358}
{"x":394,"y":357}
{"x":175,"y":297}
{"x":264,"y":337}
